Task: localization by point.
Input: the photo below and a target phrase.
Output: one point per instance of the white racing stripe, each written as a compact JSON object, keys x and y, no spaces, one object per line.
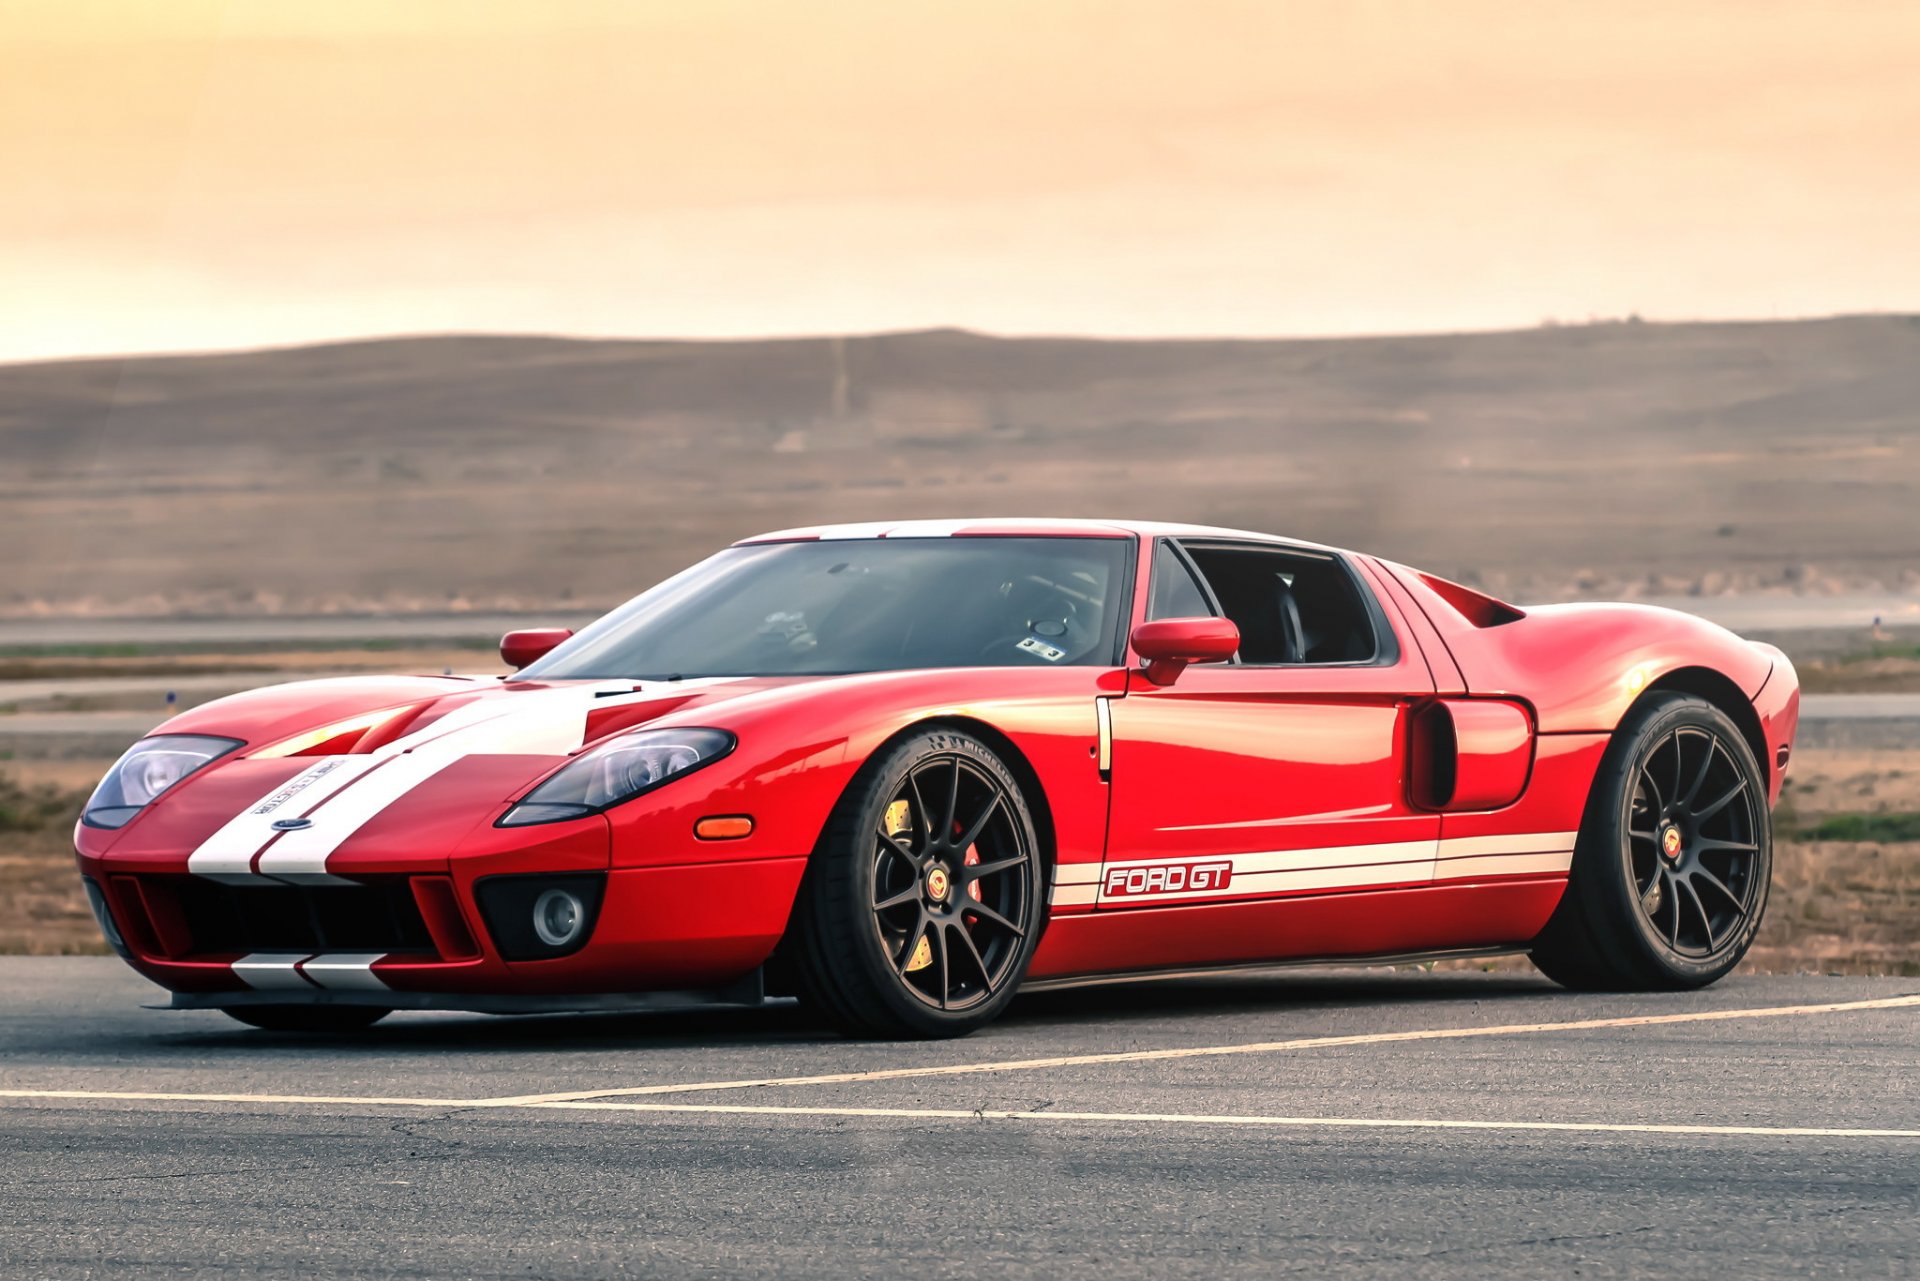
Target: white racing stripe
{"x":1516,"y":843}
{"x":1334,"y":867}
{"x":842,"y":533}
{"x":302,"y":855}
{"x":344,"y":971}
{"x":343,"y":793}
{"x":1462,"y":869}
{"x":272,"y":971}
{"x":227,"y":855}
{"x":304,"y":971}
{"x":927,"y":528}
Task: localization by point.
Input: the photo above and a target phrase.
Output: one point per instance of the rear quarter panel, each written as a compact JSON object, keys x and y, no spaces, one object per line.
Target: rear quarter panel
{"x":1582,"y":666}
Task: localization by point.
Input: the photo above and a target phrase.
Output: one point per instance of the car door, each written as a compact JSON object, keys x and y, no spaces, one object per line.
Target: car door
{"x":1283,"y":771}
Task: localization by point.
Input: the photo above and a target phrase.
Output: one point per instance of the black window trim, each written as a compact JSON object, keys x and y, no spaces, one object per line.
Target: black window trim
{"x":1199,"y":579}
{"x":1123,"y":602}
{"x":1386,"y":642}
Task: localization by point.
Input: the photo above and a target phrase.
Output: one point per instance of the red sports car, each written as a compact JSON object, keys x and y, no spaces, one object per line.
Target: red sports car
{"x":902,"y":770}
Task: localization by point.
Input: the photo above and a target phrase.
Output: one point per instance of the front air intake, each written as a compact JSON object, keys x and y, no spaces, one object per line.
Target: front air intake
{"x":377,"y":916}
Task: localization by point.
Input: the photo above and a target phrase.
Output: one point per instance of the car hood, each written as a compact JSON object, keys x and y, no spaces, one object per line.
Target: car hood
{"x":353,"y":716}
{"x":346,"y":750}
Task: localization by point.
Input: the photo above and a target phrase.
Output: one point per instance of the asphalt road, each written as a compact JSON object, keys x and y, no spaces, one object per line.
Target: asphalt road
{"x":1314,"y":1123}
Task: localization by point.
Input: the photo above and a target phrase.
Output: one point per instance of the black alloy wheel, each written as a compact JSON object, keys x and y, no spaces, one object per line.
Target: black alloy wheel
{"x":923,"y":906}
{"x":1670,"y":876}
{"x":952,"y":877}
{"x":1695,"y":842}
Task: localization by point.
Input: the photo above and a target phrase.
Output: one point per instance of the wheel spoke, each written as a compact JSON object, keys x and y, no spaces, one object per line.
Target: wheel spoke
{"x":1706,"y":922}
{"x":939,"y":937}
{"x":1672,"y":902}
{"x":907,"y":895}
{"x":1709,"y":845}
{"x":986,"y":913}
{"x":905,"y":958}
{"x":1653,"y":877}
{"x":973,"y":954}
{"x":1637,"y":834}
{"x":1656,"y":800}
{"x":1720,"y":887}
{"x":1706,"y":767}
{"x":920,"y":819}
{"x":1679,"y":767}
{"x":894,"y":843}
{"x":953,"y":803}
{"x":1726,"y":799}
{"x":979,"y":824}
{"x":1648,"y":903}
{"x":980,"y":871}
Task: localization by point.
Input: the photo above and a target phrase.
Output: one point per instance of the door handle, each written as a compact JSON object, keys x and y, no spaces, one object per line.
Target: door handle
{"x":1103,"y":743}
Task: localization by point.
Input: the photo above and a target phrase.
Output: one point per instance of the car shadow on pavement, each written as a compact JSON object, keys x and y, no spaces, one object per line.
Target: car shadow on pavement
{"x":1066,"y":1011}
{"x":1270,"y":991}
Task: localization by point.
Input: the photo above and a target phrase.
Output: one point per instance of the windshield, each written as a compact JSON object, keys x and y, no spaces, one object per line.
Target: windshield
{"x":862,"y":605}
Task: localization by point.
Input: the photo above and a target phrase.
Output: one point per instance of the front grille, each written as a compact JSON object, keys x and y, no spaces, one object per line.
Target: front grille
{"x":379,"y":916}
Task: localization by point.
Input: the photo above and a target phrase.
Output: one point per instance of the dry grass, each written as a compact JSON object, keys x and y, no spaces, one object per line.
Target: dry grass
{"x":1842,"y":907}
{"x":1885,"y":669}
{"x":43,"y":911}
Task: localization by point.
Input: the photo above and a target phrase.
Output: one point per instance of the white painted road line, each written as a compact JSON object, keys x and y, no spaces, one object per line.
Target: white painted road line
{"x":606,"y":1097}
{"x":986,"y":1114}
{"x":181,"y":1096}
{"x":1215,"y":1051}
{"x":1189,"y":1118}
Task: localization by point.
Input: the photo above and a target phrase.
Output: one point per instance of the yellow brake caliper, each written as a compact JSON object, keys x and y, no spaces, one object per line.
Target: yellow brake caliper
{"x":899,"y":822}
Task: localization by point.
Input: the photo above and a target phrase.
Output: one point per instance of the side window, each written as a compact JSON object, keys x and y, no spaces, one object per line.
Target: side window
{"x":1290,"y":607}
{"x":1174,"y":593}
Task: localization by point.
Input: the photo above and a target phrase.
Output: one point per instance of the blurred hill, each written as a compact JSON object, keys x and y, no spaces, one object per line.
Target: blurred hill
{"x":519,"y":472}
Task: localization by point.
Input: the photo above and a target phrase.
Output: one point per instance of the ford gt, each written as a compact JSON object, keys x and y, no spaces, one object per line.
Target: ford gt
{"x":902,"y":770}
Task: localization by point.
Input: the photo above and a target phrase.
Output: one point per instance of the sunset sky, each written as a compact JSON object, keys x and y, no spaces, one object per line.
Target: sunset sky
{"x":187,"y":174}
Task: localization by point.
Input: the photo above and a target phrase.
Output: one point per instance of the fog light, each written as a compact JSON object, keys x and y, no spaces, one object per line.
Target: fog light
{"x":557,"y":917}
{"x":542,"y":916}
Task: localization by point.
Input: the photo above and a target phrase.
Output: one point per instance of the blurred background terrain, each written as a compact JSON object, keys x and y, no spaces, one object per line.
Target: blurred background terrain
{"x":491,"y":473}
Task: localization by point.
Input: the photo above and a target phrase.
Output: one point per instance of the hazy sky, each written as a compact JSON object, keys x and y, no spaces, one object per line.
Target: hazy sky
{"x":179,"y":174}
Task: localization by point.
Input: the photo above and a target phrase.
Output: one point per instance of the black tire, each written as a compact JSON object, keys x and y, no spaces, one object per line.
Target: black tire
{"x":922,"y":906}
{"x":317,"y":1019}
{"x":1674,"y":860}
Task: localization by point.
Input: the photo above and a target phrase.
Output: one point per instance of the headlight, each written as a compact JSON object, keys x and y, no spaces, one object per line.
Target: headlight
{"x":623,"y":769}
{"x":149,"y":768}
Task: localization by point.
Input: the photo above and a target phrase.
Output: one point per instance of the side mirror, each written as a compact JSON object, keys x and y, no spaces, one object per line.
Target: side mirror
{"x":1171,"y":643}
{"x":519,"y":649}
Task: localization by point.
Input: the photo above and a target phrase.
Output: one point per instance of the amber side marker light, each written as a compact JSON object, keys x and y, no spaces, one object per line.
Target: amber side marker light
{"x":725,"y":827}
